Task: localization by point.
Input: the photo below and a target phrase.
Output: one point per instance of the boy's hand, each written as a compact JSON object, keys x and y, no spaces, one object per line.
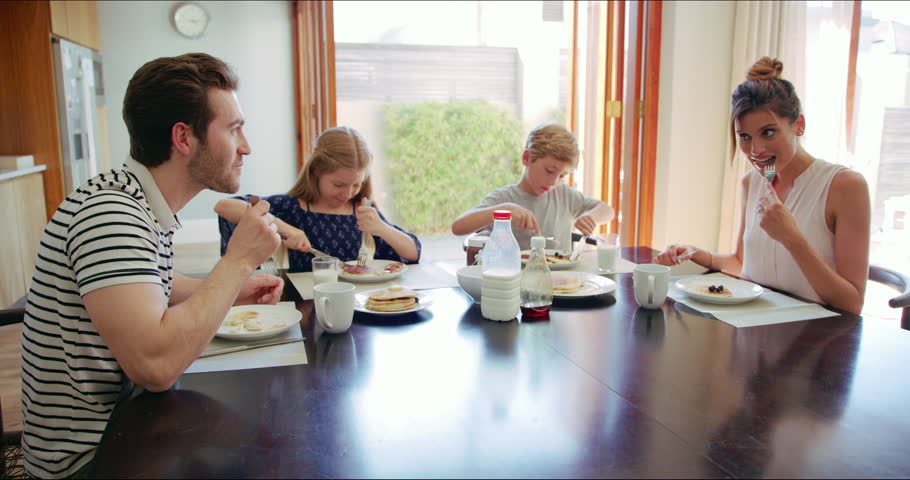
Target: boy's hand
{"x":586,"y":224}
{"x":523,"y":218}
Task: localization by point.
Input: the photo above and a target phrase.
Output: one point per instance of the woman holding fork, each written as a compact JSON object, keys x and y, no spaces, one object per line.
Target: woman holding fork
{"x":805,"y":222}
{"x":328,"y":208}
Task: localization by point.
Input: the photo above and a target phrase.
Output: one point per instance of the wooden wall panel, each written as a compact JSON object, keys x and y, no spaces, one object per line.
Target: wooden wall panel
{"x":28,"y":108}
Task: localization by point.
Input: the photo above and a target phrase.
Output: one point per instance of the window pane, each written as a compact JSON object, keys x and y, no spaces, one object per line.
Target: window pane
{"x":445,"y":93}
{"x":883,"y":132}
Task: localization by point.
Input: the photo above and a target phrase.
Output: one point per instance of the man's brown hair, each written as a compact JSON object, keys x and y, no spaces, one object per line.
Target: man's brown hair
{"x":166,"y":91}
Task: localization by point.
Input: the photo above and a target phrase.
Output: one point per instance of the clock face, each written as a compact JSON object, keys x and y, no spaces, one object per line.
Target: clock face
{"x":190,"y":19}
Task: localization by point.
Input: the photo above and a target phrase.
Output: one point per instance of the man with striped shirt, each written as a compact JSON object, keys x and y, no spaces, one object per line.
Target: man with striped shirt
{"x":106,"y":309}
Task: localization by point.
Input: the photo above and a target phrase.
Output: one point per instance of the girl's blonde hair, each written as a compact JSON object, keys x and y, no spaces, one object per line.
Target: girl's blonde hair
{"x":552,"y":139}
{"x":337,"y":147}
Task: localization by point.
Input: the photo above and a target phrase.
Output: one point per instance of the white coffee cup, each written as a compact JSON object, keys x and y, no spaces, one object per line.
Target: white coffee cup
{"x":607,"y":252}
{"x":334,"y":306}
{"x":651,"y":283}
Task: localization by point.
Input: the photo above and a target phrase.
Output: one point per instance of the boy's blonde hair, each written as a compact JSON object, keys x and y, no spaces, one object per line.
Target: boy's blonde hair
{"x":552,"y":139}
{"x":337,"y":147}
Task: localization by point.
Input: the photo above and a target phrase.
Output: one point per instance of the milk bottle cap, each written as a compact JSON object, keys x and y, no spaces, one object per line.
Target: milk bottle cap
{"x":502,"y":215}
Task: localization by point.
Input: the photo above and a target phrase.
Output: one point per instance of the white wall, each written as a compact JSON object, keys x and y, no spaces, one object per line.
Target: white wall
{"x":696,"y":49}
{"x":254,"y":37}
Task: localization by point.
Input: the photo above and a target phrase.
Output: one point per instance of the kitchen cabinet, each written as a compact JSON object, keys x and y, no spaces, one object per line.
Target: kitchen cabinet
{"x":28,"y":119}
{"x":76,"y":21}
{"x":19,"y":248}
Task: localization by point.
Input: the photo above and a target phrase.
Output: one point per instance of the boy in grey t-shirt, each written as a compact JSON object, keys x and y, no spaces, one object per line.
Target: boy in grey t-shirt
{"x":541,"y":204}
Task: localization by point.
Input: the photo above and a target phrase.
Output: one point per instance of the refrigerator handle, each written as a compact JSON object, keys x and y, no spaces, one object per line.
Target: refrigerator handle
{"x":88,"y":106}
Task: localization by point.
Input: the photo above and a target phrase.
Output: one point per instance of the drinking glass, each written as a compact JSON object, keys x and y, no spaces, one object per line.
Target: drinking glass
{"x":607,"y":252}
{"x":325,"y":270}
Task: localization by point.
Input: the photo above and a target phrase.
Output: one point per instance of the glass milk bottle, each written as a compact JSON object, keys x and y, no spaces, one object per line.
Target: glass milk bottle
{"x":501,"y":267}
{"x":536,"y":284}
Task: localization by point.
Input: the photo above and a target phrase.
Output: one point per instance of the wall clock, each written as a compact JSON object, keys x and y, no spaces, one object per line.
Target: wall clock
{"x":190,"y":19}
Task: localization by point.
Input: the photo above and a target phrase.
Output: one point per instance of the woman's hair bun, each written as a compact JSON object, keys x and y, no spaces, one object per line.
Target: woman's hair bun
{"x":766,"y":68}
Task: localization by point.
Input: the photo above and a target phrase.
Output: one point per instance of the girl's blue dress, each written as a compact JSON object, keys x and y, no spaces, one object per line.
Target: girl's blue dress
{"x":336,"y":235}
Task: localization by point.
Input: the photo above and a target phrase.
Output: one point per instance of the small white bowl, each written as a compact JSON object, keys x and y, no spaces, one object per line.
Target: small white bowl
{"x":470,"y":279}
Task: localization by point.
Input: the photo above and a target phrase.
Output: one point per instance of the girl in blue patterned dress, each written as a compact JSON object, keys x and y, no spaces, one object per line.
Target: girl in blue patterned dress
{"x":325,"y":209}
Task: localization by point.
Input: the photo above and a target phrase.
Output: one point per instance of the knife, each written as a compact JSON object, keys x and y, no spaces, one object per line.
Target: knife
{"x":219,"y":351}
{"x":317,"y":253}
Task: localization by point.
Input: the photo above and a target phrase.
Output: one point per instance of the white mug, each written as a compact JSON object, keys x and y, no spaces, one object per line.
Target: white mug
{"x":334,"y":306}
{"x":651,"y":282}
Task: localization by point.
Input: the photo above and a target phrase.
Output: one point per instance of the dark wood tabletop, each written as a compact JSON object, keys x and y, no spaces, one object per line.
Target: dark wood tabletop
{"x":601,"y":389}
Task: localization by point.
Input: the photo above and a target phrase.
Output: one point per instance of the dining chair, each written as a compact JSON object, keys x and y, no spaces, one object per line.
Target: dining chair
{"x":11,"y":441}
{"x":899,"y":282}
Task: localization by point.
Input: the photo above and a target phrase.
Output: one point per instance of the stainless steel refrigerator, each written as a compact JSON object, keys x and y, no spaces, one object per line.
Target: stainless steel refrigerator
{"x":77,"y":72}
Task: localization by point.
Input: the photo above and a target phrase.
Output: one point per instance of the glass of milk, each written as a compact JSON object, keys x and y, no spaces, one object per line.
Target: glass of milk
{"x":607,"y":252}
{"x":325,"y":270}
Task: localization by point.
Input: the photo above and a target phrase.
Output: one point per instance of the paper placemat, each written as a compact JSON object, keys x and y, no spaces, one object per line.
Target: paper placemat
{"x":420,"y":276}
{"x":768,"y":309}
{"x":274,"y":356}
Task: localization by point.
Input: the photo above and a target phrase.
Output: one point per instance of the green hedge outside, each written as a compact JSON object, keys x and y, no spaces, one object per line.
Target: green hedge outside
{"x":443,"y":158}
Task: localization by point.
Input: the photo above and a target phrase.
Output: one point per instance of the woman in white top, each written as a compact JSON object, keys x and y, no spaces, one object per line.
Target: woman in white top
{"x":806,"y":231}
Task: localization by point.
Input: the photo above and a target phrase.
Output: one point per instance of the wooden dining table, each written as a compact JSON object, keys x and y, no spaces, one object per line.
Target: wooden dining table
{"x":602,"y":388}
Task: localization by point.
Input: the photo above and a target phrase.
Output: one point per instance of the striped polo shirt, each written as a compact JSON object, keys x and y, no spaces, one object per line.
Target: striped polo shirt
{"x":117,"y":228}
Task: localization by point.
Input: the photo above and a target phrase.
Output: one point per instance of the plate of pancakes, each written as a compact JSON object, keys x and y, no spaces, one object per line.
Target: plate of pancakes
{"x":391,"y":301}
{"x":556,"y":259}
{"x":374,"y":271}
{"x":580,"y":284}
{"x":251,"y":322}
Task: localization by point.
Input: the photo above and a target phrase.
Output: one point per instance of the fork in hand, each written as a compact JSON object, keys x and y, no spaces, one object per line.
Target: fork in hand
{"x":269,"y":265}
{"x":364,"y":253}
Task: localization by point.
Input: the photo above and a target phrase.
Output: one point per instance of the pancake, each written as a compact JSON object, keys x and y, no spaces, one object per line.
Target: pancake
{"x":551,"y":258}
{"x":392,"y":299}
{"x":239,"y":318}
{"x":563,"y":284}
{"x":706,"y":290}
{"x":557,"y":258}
{"x":353,"y":269}
{"x":391,"y":268}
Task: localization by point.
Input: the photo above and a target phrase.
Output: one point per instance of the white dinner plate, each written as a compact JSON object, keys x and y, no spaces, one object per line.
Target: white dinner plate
{"x":593,"y":285}
{"x":553,"y":266}
{"x":696,"y":287}
{"x":376,"y":266}
{"x":424,"y":300}
{"x":275,"y":319}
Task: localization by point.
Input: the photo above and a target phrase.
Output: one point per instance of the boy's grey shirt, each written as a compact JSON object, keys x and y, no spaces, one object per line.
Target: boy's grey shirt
{"x":555,"y":211}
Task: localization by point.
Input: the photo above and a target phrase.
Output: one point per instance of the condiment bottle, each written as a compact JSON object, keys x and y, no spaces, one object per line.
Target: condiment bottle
{"x":501,"y":267}
{"x":536,"y":283}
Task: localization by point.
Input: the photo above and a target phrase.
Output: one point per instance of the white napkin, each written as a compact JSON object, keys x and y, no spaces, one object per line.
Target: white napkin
{"x":420,"y":276}
{"x":768,"y":309}
{"x":273,"y":356}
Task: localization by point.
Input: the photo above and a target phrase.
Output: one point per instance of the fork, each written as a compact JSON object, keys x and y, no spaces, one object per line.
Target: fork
{"x":269,"y":265}
{"x":364,"y":253}
{"x":579,"y":247}
{"x":769,"y":172}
